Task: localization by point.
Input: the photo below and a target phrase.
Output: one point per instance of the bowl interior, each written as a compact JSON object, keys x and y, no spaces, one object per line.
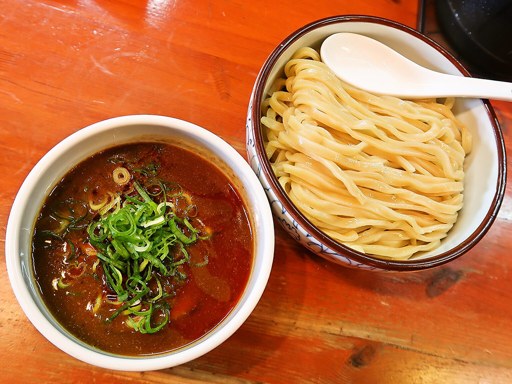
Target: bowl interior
{"x":84,"y":143}
{"x":484,"y":165}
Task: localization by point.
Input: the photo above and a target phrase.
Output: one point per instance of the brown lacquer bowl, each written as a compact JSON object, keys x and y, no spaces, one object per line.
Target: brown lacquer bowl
{"x":485,"y":166}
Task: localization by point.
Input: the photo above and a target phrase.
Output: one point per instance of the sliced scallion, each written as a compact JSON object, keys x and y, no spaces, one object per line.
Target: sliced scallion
{"x":139,"y":237}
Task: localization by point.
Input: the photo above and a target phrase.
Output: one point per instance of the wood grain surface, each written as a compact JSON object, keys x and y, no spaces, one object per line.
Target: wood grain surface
{"x":66,"y":64}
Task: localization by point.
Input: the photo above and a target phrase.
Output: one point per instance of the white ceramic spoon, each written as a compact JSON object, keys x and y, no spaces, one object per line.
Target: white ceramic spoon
{"x":370,"y":65}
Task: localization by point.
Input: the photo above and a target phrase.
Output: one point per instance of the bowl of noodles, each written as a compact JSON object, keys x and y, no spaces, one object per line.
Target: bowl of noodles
{"x":373,"y":181}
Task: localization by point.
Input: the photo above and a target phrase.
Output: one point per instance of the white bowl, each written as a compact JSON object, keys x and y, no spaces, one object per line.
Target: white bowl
{"x":79,"y":146}
{"x":485,"y":166}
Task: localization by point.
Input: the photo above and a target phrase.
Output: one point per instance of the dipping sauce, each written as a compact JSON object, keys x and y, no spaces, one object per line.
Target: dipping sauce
{"x":142,"y":249}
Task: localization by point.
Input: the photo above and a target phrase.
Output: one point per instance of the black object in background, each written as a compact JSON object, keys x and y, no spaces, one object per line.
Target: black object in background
{"x":480,"y":31}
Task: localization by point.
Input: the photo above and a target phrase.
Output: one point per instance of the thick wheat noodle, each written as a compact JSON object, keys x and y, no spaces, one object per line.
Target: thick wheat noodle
{"x":379,"y":174}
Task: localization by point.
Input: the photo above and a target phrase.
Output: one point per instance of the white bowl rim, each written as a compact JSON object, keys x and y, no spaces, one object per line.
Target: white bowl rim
{"x":265,"y":250}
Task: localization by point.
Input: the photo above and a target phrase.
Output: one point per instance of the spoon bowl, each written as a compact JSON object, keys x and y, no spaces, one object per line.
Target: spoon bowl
{"x":372,"y":66}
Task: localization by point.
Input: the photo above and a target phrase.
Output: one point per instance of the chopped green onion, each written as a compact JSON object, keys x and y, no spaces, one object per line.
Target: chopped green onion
{"x":72,"y":211}
{"x":139,"y":237}
{"x":121,"y":175}
{"x":173,"y":223}
{"x":66,"y":245}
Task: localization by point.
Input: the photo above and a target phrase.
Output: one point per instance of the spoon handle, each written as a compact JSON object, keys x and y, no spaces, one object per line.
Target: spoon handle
{"x":474,"y":87}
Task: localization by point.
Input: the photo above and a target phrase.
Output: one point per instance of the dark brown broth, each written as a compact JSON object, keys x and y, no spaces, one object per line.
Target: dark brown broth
{"x":209,"y":292}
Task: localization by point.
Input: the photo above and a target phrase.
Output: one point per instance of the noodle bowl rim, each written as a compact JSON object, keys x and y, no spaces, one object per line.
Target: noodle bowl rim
{"x":359,"y":258}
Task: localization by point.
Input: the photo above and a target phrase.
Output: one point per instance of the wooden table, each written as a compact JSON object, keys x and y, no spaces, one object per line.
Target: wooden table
{"x":65,"y":64}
